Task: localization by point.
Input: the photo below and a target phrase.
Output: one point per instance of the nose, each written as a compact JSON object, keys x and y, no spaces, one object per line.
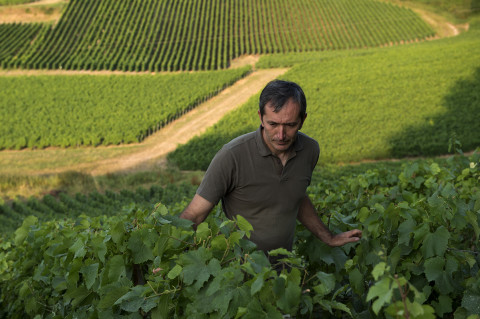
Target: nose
{"x":282,"y":133}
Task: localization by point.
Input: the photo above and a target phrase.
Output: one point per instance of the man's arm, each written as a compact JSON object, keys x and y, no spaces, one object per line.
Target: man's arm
{"x":307,"y":215}
{"x":197,"y":210}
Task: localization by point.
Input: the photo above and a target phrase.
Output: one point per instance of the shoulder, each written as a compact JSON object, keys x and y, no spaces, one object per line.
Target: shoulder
{"x":240,"y":142}
{"x":308,"y":142}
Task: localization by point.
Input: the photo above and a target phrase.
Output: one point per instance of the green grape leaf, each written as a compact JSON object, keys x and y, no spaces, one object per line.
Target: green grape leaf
{"x":141,"y":243}
{"x":196,"y":268}
{"x":435,"y":244}
{"x":435,"y":168}
{"x":471,"y":302}
{"x":340,"y":306}
{"x":133,"y":300}
{"x":118,"y":232}
{"x":472,"y":219}
{"x":219,"y":243}
{"x":162,"y":310}
{"x":73,"y":274}
{"x":59,"y":283}
{"x":379,"y":270}
{"x":434,"y":271}
{"x":258,"y":283}
{"x":434,"y":268}
{"x":405,"y":231}
{"x":100,"y":248}
{"x":109,"y":299}
{"x":78,"y":248}
{"x":280,"y":251}
{"x":174,"y":272}
{"x":329,"y":255}
{"x":419,"y":234}
{"x":203,"y":231}
{"x":443,"y":306}
{"x":327,"y":282}
{"x":90,"y":273}
{"x":448,"y":190}
{"x":382,"y":290}
{"x":244,"y":225}
{"x":116,"y":268}
{"x":77,"y":295}
{"x":22,"y":232}
{"x":356,"y":281}
{"x":288,"y":302}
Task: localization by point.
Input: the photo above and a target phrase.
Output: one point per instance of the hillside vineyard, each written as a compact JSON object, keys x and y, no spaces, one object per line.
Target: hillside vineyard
{"x":169,"y":35}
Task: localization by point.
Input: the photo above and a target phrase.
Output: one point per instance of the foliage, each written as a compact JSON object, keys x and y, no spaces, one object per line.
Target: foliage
{"x":371,"y":104}
{"x":171,"y":35}
{"x":41,"y":111}
{"x":418,"y":257}
{"x":15,"y":37}
{"x":12,"y":212}
{"x":419,"y":252}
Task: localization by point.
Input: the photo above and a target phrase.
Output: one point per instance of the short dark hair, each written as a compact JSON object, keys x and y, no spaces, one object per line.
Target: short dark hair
{"x":278,"y":92}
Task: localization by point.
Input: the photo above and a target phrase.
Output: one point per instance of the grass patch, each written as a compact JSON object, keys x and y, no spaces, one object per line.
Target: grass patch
{"x":371,"y":104}
{"x":73,"y":182}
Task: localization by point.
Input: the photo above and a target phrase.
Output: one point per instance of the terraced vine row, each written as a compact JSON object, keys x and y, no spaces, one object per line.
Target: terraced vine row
{"x":172,"y":35}
{"x":62,"y":205}
{"x":15,"y":38}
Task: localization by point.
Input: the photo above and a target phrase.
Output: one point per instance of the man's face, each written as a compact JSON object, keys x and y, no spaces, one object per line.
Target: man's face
{"x":280,"y":128}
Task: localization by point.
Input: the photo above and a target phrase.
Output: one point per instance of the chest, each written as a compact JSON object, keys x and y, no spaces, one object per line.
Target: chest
{"x":267,"y":179}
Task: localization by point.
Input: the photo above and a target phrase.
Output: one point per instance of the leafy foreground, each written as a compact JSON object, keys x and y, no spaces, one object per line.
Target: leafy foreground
{"x":418,"y":257}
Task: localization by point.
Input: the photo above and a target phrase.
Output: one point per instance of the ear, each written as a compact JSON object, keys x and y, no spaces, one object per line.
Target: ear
{"x":261,"y":117}
{"x":303,"y":120}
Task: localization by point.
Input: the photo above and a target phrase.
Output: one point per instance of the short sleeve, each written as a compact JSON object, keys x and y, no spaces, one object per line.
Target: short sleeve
{"x":219,"y":177}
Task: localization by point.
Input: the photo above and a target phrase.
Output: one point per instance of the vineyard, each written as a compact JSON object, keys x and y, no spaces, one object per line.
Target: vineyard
{"x":370,"y":104}
{"x":418,"y":257}
{"x":61,"y":206}
{"x":15,"y":38}
{"x":88,"y":110}
{"x":171,"y":35}
{"x":117,"y":248}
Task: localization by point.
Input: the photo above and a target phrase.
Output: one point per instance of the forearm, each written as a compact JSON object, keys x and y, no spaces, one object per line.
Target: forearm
{"x":308,"y":216}
{"x":197,"y":210}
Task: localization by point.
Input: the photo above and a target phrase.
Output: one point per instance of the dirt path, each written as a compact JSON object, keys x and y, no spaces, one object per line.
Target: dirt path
{"x":48,"y":11}
{"x":153,"y":150}
{"x":191,"y":124}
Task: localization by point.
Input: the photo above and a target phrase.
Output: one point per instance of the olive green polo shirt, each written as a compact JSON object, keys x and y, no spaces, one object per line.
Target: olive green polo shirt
{"x":253,"y":183}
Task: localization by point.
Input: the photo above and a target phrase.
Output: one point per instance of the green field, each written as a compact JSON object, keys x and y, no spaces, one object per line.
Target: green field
{"x":170,"y":35}
{"x":80,"y":110}
{"x":372,"y":104}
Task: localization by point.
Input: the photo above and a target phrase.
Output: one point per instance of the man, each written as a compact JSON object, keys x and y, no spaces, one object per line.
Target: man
{"x":263,"y":175}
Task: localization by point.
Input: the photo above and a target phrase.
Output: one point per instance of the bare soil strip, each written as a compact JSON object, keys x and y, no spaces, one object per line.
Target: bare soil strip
{"x":191,"y":124}
{"x":32,"y":12}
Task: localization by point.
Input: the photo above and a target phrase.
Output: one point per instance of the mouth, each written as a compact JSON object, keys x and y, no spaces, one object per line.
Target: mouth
{"x":282,"y":142}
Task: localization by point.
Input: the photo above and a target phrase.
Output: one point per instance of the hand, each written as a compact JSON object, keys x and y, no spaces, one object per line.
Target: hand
{"x":341,"y":239}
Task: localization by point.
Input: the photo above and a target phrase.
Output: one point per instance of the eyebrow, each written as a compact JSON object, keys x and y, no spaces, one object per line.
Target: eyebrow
{"x":288,"y":123}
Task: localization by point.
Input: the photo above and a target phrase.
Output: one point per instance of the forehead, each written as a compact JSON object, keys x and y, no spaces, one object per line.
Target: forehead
{"x":290,"y":112}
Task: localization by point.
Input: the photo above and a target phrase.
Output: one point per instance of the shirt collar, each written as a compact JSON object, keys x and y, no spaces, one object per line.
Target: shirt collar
{"x":265,"y":151}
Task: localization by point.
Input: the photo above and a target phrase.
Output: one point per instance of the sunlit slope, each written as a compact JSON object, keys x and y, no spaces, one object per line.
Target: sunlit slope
{"x":372,"y":104}
{"x":171,"y":35}
{"x":89,"y":110}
